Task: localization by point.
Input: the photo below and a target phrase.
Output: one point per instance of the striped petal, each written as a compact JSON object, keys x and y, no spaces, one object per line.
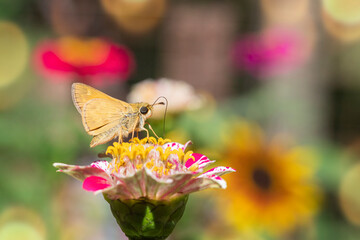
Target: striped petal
{"x":175,"y":145}
{"x":201,"y":160}
{"x":101,"y":164}
{"x":80,"y":172}
{"x":219,"y":171}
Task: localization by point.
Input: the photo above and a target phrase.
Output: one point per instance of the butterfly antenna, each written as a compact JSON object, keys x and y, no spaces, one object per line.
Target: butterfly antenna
{"x":166,"y":107}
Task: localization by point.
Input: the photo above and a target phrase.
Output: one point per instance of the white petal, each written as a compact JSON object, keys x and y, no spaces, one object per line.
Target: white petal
{"x":81,"y":172}
{"x":153,"y":183}
{"x":219,"y":171}
{"x":118,"y":191}
{"x":175,"y":145}
{"x":101,"y":164}
{"x":178,"y":181}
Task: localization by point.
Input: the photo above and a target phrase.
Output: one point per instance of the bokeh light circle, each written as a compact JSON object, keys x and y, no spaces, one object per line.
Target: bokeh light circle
{"x":343,"y":11}
{"x":13,"y":52}
{"x":350,"y":196}
{"x":21,"y":223}
{"x":18,"y":230}
{"x":135,"y":16}
{"x":342,"y":32}
{"x":285,"y":12}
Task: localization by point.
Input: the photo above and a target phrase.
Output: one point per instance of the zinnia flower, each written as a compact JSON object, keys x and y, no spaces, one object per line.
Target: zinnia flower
{"x":274,"y":189}
{"x":147,"y":183}
{"x":92,"y":60}
{"x":271,"y":52}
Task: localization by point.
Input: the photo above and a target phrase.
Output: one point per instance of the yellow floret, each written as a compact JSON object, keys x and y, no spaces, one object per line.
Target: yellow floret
{"x":188,"y":156}
{"x":138,"y":150}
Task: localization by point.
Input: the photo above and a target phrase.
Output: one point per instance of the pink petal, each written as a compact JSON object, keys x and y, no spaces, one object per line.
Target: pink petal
{"x":118,"y":64}
{"x":53,"y":63}
{"x":200,"y":159}
{"x":49,"y":65}
{"x":95,"y":183}
{"x":218,"y":171}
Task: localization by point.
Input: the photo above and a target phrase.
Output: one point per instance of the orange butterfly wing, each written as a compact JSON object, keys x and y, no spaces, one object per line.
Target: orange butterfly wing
{"x":82,"y":93}
{"x":99,"y":115}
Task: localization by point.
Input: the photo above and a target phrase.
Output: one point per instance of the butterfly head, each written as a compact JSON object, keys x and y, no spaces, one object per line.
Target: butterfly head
{"x":145,"y":110}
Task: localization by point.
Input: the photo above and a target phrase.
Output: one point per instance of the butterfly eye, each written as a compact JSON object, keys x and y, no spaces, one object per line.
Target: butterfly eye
{"x":144,"y":110}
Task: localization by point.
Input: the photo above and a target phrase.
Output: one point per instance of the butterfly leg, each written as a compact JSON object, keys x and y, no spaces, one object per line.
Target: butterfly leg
{"x":152,"y":130}
{"x":133,"y":132}
{"x":120,"y":136}
{"x":147,"y":133}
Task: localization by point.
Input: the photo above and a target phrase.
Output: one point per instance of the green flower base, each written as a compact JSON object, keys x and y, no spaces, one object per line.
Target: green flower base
{"x":145,"y":219}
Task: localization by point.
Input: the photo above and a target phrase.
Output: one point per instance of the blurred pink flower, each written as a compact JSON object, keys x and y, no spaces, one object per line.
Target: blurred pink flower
{"x":89,"y":60}
{"x":271,"y":52}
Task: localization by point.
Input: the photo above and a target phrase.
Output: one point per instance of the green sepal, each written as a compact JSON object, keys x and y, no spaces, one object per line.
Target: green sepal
{"x":147,"y":219}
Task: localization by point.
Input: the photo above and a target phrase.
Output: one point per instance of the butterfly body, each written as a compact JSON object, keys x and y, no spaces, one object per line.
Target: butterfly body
{"x":105,"y":117}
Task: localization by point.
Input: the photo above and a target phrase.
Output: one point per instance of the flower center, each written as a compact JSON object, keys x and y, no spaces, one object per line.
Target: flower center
{"x":261,"y":178}
{"x":149,"y":153}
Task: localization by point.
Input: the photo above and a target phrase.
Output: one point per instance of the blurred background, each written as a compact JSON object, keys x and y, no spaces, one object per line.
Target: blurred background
{"x":268,"y":87}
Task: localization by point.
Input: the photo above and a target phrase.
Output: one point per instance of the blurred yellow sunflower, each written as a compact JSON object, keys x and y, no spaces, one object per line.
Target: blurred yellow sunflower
{"x":274,"y":188}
